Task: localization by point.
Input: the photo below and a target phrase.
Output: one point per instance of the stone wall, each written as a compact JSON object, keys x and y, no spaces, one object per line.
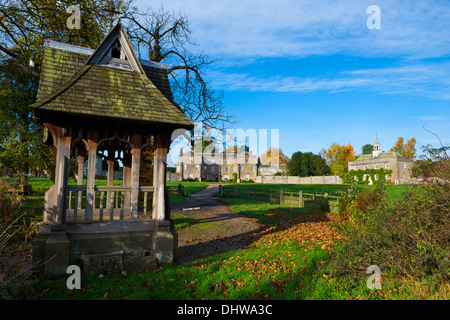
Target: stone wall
{"x":172,"y":176}
{"x":299,"y":180}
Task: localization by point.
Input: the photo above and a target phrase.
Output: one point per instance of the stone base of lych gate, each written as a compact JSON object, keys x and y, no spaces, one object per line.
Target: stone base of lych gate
{"x":104,"y":248}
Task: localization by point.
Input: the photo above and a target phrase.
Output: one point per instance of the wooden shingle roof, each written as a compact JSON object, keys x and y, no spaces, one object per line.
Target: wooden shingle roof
{"x":71,"y":84}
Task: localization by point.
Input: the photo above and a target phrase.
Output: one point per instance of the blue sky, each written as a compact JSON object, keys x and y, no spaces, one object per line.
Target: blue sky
{"x":313,"y":70}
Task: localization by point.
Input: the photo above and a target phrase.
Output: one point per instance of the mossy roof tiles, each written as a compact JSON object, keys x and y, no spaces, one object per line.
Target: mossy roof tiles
{"x":69,"y":85}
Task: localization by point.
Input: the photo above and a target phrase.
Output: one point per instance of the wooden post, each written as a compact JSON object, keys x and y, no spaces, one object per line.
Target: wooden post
{"x":126,"y":180}
{"x":136,"y":141}
{"x":61,"y":174}
{"x":162,"y":141}
{"x":300,"y":199}
{"x":78,"y":194}
{"x":220,"y":191}
{"x":110,"y":176}
{"x":281,"y":196}
{"x":90,"y":183}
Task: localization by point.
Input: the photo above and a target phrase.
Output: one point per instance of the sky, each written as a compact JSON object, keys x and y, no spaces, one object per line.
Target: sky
{"x":315,"y":71}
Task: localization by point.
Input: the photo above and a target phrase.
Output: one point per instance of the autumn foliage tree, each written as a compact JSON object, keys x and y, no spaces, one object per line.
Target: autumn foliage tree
{"x":338,"y":156}
{"x":274,"y":156}
{"x":407,"y":150}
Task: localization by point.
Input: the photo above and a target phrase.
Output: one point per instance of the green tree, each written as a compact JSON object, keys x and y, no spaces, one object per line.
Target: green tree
{"x":305,"y":164}
{"x":367,"y":148}
{"x":23,"y":27}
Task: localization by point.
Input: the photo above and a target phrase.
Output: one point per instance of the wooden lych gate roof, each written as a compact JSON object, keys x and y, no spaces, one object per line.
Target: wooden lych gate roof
{"x":106,"y":84}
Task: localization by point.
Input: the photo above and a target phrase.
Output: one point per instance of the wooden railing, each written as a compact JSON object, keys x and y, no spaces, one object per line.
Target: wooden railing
{"x":109,"y":203}
{"x":296,"y":199}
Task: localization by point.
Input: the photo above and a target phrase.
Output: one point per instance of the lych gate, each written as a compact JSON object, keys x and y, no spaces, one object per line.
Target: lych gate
{"x":105,"y":102}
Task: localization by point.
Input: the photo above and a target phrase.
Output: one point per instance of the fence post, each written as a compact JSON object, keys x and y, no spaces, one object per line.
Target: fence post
{"x":300,"y":199}
{"x":220,"y":191}
{"x":281,"y":196}
{"x":234,"y":191}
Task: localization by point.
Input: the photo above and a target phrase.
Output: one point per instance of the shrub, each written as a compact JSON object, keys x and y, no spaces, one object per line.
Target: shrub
{"x":406,"y":238}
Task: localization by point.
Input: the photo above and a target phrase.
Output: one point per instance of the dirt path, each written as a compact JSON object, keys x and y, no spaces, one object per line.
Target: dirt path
{"x":216,"y":229}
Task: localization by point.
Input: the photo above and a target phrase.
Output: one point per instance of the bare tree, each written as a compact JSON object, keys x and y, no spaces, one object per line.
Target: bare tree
{"x":166,"y":37}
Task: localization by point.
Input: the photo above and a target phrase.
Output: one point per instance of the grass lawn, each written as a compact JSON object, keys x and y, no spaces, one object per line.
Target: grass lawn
{"x":287,"y":261}
{"x":284,"y":264}
{"x":393,"y":191}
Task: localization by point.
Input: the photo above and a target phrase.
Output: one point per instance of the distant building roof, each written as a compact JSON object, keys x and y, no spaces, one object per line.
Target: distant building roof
{"x":382,"y":155}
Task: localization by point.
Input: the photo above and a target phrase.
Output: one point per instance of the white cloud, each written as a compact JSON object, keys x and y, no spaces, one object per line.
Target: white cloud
{"x":420,"y":80}
{"x":267,"y":28}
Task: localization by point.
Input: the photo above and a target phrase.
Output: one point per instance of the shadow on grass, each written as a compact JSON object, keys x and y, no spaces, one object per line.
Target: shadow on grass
{"x":271,"y":219}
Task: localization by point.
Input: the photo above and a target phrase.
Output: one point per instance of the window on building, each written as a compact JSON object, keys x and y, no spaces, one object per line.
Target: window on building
{"x":213,"y":169}
{"x":220,"y":169}
{"x":191,"y":159}
{"x":240,"y":168}
{"x":184,"y":167}
{"x":246,"y":160}
{"x":404,"y":165}
{"x":197,"y":167}
{"x":253,"y":168}
{"x":225,"y":177}
{"x":246,"y":177}
{"x":190,"y":176}
{"x":204,"y":168}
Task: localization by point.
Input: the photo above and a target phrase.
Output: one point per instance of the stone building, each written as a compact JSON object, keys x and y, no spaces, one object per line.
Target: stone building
{"x":218,"y":166}
{"x":401,"y":167}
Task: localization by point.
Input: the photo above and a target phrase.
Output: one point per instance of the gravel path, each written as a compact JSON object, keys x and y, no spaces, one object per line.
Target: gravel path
{"x":216,"y":228}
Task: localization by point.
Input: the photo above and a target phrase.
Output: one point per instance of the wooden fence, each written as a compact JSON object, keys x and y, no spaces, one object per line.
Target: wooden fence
{"x":298,"y":199}
{"x":111,"y":202}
